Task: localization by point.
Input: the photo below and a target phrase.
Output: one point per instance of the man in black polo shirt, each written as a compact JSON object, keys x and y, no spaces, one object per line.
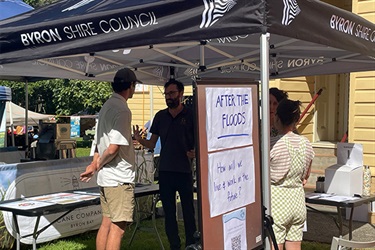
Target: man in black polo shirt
{"x":175,"y":127}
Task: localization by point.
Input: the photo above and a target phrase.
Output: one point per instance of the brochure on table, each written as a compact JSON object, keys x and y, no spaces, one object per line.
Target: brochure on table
{"x":48,"y":200}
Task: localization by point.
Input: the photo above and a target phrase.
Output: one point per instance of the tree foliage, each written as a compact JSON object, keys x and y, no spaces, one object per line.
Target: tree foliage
{"x":61,"y":97}
{"x":38,"y":3}
{"x":75,"y":95}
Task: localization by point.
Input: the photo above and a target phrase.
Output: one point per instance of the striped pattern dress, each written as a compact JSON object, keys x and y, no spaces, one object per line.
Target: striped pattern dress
{"x":290,"y":159}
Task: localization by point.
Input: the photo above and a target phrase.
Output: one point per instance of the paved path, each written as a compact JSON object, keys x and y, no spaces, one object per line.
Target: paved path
{"x":321,"y":227}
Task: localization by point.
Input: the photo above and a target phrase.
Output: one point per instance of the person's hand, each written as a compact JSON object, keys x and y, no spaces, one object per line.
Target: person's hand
{"x":137,"y":132}
{"x":304,"y":181}
{"x":191,"y":154}
{"x":89,"y":173}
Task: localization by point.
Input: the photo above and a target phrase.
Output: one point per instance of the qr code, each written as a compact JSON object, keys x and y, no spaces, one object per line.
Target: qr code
{"x":236,"y":242}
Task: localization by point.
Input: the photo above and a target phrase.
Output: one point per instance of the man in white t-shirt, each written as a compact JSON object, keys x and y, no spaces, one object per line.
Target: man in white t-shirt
{"x":114,"y":160}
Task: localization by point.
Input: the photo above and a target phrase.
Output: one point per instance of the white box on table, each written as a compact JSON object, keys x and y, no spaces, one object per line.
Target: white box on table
{"x":350,"y":154}
{"x":343,"y":180}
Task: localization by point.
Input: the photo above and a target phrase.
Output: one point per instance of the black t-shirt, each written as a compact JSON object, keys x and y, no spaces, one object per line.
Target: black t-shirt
{"x":176,"y":138}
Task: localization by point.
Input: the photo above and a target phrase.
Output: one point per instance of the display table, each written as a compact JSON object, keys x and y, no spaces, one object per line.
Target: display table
{"x":339,"y":202}
{"x":142,"y":190}
{"x":67,"y":201}
{"x":41,"y":177}
{"x":33,"y":178}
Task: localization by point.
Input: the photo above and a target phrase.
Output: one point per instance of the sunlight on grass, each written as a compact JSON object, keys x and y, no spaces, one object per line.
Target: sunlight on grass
{"x":145,"y":239}
{"x":81,"y":152}
{"x":306,"y":245}
{"x":64,"y":245}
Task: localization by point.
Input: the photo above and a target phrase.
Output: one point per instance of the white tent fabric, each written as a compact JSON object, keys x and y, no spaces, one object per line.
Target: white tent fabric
{"x":18,"y":114}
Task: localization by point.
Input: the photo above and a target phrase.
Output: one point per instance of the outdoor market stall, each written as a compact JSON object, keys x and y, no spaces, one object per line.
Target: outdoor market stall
{"x":188,"y":40}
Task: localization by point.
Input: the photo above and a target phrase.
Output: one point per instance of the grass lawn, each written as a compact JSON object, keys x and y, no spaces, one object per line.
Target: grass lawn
{"x":81,"y":152}
{"x":145,"y":239}
{"x":83,"y":147}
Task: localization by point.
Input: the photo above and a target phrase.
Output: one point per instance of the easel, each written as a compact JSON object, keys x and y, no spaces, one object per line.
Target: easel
{"x":198,"y":244}
{"x":66,"y":148}
{"x":244,"y":152}
{"x":268,"y":222}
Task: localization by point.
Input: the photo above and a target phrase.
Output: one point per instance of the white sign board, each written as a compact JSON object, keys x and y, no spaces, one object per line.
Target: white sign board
{"x":231,"y":180}
{"x":229,"y":117}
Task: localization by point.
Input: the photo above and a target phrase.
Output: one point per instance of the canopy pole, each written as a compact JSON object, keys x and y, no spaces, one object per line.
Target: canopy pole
{"x":201,"y":54}
{"x":265,"y":124}
{"x":11,"y":123}
{"x":151,"y":102}
{"x":26,"y":113}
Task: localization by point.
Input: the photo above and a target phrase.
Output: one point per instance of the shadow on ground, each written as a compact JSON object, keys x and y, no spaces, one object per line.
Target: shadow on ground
{"x":321,"y":227}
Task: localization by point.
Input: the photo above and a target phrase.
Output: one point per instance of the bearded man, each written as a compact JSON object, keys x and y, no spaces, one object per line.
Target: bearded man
{"x":175,"y":127}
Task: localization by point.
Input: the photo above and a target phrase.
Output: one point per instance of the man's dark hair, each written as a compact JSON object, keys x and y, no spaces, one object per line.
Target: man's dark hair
{"x":118,"y":85}
{"x":278,"y":94}
{"x":179,"y":85}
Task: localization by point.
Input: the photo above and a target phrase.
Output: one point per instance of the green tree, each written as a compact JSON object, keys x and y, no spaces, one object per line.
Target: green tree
{"x":61,"y":97}
{"x":73,"y":96}
{"x":38,"y":3}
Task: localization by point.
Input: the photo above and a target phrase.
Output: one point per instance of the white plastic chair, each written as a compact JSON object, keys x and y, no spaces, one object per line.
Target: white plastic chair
{"x":339,"y":243}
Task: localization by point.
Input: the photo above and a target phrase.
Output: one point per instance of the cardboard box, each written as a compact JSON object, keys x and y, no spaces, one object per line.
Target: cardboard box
{"x":346,"y":177}
{"x":343,"y":180}
{"x":63,"y":131}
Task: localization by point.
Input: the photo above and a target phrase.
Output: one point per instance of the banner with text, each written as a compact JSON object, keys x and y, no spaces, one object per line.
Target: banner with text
{"x":231,"y":180}
{"x":229,"y":117}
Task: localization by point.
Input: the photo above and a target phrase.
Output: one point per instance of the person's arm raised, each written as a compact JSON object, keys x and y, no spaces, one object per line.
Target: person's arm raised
{"x":150,"y":143}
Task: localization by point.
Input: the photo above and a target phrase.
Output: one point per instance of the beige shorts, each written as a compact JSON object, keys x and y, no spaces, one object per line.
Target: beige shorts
{"x":117,"y":203}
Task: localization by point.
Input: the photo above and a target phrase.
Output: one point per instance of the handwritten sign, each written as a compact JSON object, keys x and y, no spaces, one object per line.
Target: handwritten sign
{"x":231,"y":180}
{"x":229,"y":117}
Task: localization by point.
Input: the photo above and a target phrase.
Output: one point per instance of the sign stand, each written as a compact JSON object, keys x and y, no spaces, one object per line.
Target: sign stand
{"x":268,"y":222}
{"x":228,"y":165}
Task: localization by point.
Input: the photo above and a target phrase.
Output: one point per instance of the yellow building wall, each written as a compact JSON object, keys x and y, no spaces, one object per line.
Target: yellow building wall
{"x":342,"y":4}
{"x":362,"y":100}
{"x":302,"y":89}
{"x":365,"y":9}
{"x":362,"y":115}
